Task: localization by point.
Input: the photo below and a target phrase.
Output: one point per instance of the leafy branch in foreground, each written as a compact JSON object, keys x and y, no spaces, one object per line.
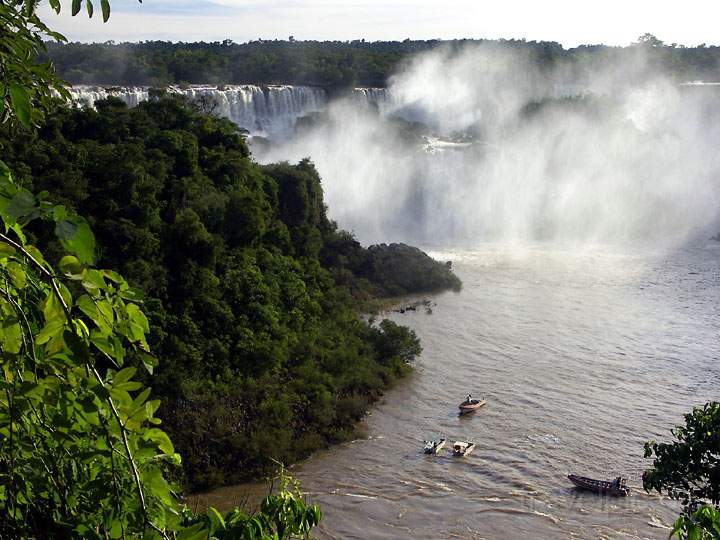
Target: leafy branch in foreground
{"x":702,"y":524}
{"x":688,"y":470}
{"x":80,"y":453}
{"x":77,"y":448}
{"x":26,"y":86}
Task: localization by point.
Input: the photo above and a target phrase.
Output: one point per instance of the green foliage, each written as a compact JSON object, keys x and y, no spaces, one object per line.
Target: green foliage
{"x":384,"y":270}
{"x":26,"y":87}
{"x":262,"y":353}
{"x":79,"y":453}
{"x":702,"y":524}
{"x":283,"y":514}
{"x":687,"y":470}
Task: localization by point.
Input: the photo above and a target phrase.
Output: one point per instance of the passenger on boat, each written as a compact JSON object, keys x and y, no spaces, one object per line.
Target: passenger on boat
{"x":468,"y":399}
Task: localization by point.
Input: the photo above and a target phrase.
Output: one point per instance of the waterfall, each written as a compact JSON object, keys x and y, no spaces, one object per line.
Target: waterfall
{"x":269,"y":111}
{"x":374,"y":97}
{"x":88,"y":95}
{"x":266,"y":111}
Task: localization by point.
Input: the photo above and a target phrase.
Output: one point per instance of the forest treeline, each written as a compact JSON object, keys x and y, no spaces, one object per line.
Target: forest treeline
{"x":252,"y":291}
{"x":333,"y":65}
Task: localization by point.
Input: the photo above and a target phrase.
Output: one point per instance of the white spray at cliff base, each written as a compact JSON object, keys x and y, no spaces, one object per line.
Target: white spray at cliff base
{"x":598,"y":153}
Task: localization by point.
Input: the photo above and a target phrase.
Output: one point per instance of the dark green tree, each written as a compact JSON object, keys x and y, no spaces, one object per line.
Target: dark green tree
{"x":688,"y":470}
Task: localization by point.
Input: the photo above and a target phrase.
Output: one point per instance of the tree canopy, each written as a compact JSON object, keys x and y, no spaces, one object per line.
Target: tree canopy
{"x":80,"y":451}
{"x":333,"y":65}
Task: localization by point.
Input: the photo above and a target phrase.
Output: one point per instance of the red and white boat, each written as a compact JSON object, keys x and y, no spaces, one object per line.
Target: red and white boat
{"x":471,"y":405}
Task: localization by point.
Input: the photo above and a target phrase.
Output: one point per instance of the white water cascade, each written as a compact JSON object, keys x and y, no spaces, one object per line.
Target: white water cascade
{"x":267,"y":111}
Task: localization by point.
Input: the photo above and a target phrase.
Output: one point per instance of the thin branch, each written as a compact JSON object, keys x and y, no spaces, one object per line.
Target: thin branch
{"x":136,"y":474}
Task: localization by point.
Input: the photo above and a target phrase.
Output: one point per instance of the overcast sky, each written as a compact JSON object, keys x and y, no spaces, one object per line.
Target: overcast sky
{"x":570,"y":22}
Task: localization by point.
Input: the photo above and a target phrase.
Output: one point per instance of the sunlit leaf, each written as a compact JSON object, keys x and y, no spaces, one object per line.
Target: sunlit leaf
{"x":124,"y":375}
{"x":105,"y":6}
{"x":11,"y":337}
{"x":17,"y":274}
{"x":75,"y":235}
{"x":70,"y":265}
{"x":20,"y":100}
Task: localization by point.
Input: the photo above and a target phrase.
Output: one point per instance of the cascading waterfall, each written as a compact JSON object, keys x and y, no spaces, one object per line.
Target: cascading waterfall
{"x":266,"y":111}
{"x":374,"y":97}
{"x":88,"y":95}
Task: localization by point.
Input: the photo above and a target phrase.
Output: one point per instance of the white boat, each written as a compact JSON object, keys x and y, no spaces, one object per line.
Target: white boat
{"x":433,"y":447}
{"x":463,"y":448}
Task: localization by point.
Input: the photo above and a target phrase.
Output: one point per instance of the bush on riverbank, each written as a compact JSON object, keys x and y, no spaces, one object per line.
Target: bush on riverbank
{"x":385,"y":270}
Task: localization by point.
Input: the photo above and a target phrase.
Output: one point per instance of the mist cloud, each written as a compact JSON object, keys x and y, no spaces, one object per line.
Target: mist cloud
{"x":602,"y":151}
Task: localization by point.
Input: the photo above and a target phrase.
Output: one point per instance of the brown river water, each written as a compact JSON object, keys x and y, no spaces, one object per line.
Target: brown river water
{"x":582,"y":354}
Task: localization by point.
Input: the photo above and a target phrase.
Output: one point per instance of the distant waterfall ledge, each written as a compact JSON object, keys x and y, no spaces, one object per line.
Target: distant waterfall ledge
{"x":268,"y":111}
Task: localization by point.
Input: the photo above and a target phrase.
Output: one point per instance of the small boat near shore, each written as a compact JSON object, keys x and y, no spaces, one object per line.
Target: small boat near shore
{"x":433,"y":447}
{"x":471,"y":405}
{"x":462,"y":448}
{"x":617,"y":487}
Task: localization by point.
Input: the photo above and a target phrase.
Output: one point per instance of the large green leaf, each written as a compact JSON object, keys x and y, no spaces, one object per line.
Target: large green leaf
{"x":160,"y":438}
{"x":17,"y":274}
{"x":70,"y":266}
{"x":52,"y":329}
{"x":124,"y":375}
{"x":11,"y":337}
{"x":5,"y":173}
{"x":105,"y":6}
{"x":75,"y":235}
{"x":20,"y":99}
{"x":22,"y":204}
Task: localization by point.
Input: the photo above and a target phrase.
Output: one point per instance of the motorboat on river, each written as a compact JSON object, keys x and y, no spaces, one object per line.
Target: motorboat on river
{"x":617,"y":487}
{"x":463,"y":448}
{"x":470,"y":405}
{"x":433,"y":447}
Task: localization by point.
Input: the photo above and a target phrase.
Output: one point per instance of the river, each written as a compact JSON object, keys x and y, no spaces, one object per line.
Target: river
{"x":583,"y":354}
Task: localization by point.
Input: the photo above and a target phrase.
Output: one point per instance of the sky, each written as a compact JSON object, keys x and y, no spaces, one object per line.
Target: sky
{"x":570,"y":22}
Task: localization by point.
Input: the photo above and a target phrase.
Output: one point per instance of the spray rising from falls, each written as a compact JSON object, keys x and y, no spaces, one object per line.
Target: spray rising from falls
{"x":482,"y":144}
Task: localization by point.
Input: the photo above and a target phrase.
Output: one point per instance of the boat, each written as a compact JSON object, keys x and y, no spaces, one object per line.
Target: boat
{"x":617,"y":487}
{"x":433,"y":447}
{"x":462,"y":448}
{"x":471,"y":405}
